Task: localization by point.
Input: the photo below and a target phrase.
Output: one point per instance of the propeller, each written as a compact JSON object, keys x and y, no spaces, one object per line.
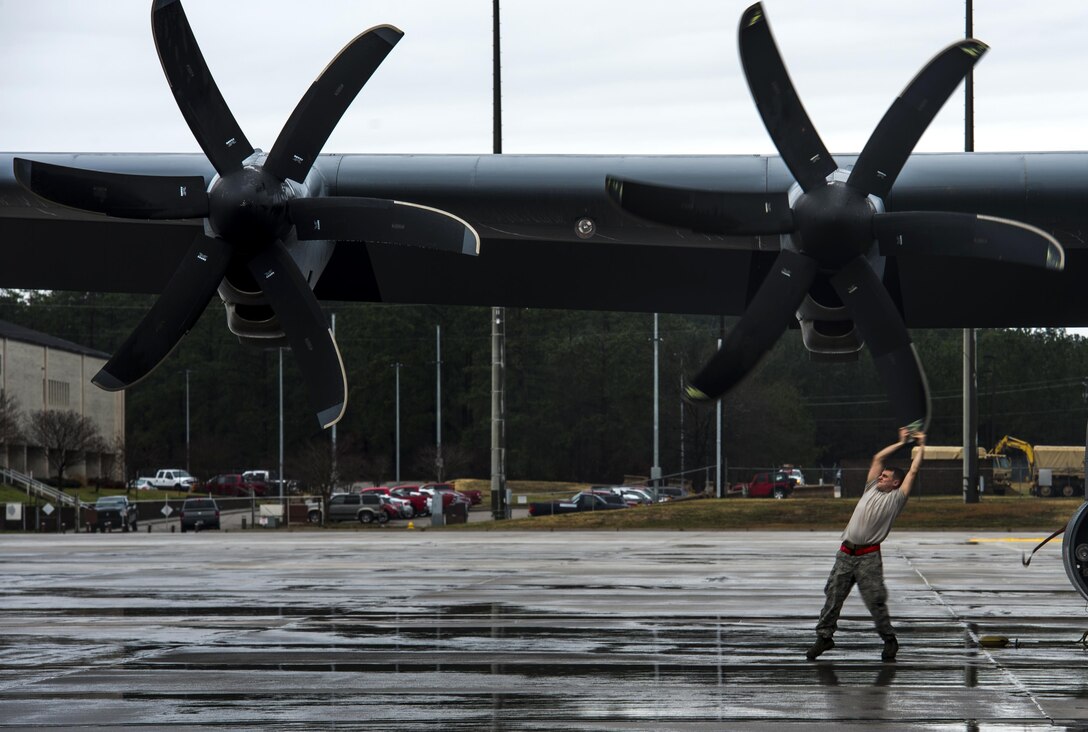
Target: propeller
{"x":256,"y":209}
{"x":834,"y":223}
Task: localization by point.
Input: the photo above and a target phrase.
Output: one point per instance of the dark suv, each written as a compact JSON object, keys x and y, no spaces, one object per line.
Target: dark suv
{"x":199,"y":513}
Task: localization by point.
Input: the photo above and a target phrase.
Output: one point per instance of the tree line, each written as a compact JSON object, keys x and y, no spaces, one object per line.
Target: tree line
{"x":579,"y":393}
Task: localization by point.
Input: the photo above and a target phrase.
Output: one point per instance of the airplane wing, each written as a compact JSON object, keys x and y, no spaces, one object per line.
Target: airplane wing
{"x":528,"y":210}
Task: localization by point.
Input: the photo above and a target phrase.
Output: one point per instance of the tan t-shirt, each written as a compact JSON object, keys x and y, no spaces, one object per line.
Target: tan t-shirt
{"x":873,"y":516}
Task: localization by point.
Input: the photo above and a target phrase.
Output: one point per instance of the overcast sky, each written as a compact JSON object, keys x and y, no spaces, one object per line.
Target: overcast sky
{"x":578,"y":77}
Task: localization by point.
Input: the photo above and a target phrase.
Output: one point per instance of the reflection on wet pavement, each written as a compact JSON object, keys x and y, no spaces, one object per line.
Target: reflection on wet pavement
{"x":408,"y":631}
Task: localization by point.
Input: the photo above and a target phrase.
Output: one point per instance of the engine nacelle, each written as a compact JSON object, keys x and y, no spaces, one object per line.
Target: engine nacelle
{"x":1075,"y":550}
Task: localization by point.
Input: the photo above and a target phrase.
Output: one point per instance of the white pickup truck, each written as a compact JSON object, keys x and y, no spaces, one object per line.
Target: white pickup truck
{"x":172,"y":479}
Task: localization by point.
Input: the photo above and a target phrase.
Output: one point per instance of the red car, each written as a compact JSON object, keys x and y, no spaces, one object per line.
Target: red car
{"x":418,"y":505}
{"x":473,"y":497}
{"x":420,"y":501}
{"x":449,"y":496}
{"x":231,"y":484}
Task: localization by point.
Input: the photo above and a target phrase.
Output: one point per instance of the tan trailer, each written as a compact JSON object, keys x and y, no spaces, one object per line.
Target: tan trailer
{"x":1059,"y":470}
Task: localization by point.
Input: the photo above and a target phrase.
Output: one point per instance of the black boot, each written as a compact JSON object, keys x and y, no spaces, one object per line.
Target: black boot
{"x":822,"y":644}
{"x":891,"y":647}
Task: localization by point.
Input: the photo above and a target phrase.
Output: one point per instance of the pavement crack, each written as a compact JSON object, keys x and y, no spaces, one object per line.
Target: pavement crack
{"x":969,"y":629}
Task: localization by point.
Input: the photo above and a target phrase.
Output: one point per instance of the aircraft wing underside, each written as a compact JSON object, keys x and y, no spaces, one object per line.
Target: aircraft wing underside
{"x":550,"y":237}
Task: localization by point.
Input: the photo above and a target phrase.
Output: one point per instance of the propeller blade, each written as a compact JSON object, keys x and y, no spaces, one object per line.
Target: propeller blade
{"x":381,"y":221}
{"x":948,"y":234}
{"x":321,"y":108}
{"x":115,"y":194}
{"x":768,"y":315}
{"x":784,"y":116}
{"x":881,"y":326}
{"x":707,"y":212}
{"x":171,"y":317}
{"x":195,"y":91}
{"x":306,"y":329}
{"x":906,"y":120}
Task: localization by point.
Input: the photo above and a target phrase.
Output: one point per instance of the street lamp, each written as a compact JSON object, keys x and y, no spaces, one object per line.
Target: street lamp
{"x":187,"y":468}
{"x":655,"y":469}
{"x":396,"y":368}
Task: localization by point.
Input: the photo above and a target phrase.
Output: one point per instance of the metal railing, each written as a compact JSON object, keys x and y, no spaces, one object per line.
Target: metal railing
{"x":38,"y":488}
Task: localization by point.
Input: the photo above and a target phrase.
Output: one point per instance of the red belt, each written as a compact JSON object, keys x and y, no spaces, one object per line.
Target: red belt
{"x":857,"y":551}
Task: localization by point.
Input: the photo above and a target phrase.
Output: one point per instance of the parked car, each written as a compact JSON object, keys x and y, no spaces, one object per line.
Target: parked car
{"x":766,"y":485}
{"x":671,"y":493}
{"x":234,"y":484}
{"x":584,"y":501}
{"x":794,"y":475}
{"x":406,"y":508}
{"x":421,"y":503}
{"x":394,"y":506}
{"x":198,"y":514}
{"x":633,"y":496}
{"x":114,"y":512}
{"x":173,"y":479}
{"x":141,"y":484}
{"x":362,"y":507}
{"x":449,"y":495}
{"x":474,"y":497}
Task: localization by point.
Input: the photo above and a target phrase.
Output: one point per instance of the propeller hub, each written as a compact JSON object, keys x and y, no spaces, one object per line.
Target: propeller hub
{"x":833,"y":223}
{"x":249,"y":207}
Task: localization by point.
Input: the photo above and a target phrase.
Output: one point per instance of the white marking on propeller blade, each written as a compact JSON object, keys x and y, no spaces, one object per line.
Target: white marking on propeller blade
{"x":787,"y":272}
{"x":269,"y":273}
{"x":467,"y":225}
{"x":202,"y":257}
{"x":1055,"y":247}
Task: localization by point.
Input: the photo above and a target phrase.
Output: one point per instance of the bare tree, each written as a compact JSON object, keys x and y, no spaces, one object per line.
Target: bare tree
{"x":11,"y":430}
{"x":455,"y":461}
{"x":66,"y":435}
{"x":313,"y":463}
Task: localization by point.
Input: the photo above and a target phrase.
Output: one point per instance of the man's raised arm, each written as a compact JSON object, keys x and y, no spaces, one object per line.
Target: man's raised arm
{"x":919,"y":455}
{"x":878,"y":460}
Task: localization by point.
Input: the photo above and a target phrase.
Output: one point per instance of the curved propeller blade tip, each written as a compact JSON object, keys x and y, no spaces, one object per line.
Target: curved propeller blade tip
{"x":974,"y":48}
{"x":614,"y":187}
{"x":752,"y":15}
{"x":695,"y":395}
{"x":105,"y":380}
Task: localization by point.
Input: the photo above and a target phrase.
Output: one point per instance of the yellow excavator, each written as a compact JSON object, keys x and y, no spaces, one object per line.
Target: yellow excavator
{"x":1008,"y":441}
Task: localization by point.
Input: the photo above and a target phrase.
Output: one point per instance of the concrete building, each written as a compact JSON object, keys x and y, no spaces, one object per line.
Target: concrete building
{"x":40,"y":371}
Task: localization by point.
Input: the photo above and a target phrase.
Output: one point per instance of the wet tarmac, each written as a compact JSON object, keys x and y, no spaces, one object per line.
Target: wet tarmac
{"x":429,"y":630}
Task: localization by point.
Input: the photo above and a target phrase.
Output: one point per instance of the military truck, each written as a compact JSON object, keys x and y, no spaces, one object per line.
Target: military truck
{"x":1054,"y":470}
{"x":1058,"y":471}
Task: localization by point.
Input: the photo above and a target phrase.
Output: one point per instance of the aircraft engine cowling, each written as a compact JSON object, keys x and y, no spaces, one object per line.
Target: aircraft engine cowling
{"x":1075,"y":550}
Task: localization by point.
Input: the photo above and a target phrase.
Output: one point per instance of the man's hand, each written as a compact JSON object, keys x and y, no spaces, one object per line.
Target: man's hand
{"x":920,"y":438}
{"x":904,"y":435}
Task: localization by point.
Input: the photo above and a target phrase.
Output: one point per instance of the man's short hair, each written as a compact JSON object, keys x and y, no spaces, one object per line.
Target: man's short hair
{"x":897,"y":473}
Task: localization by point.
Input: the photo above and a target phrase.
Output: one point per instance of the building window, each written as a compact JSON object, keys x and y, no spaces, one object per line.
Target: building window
{"x":59,"y":393}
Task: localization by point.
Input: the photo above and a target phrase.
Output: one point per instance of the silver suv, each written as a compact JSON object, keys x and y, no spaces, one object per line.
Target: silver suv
{"x":362,"y":507}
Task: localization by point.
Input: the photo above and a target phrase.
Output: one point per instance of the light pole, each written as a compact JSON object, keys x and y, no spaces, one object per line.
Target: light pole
{"x":1085,"y":395}
{"x":332,"y":457}
{"x":438,"y":402}
{"x":283,"y":490}
{"x":396,"y":371}
{"x":187,"y":469}
{"x":655,"y":469}
{"x":682,"y":466}
{"x":718,"y":445}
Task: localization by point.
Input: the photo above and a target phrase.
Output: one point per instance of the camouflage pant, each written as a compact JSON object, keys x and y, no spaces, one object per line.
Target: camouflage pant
{"x":867,"y":571}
